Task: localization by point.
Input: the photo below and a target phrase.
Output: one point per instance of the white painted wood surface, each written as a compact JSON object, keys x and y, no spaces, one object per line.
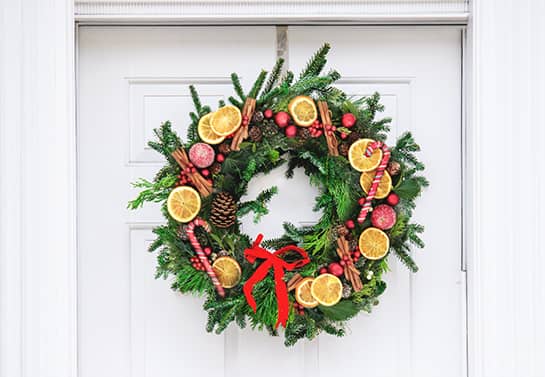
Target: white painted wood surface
{"x":499,"y":30}
{"x":133,"y":78}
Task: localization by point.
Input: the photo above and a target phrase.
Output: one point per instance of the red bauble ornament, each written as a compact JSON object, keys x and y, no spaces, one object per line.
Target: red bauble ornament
{"x":392,"y":199}
{"x":268,"y":113}
{"x":220,"y":157}
{"x":201,"y":155}
{"x":335,"y":269}
{"x":323,"y":270}
{"x":291,"y":131}
{"x":282,"y":119}
{"x":383,"y":217}
{"x":348,"y":120}
{"x":350,"y":224}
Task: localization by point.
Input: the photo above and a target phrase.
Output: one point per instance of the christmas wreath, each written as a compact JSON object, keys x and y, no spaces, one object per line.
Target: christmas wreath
{"x":312,"y":278}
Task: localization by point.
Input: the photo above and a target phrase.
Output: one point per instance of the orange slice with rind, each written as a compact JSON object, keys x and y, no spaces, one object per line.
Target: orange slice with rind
{"x":374,"y":243}
{"x":226,"y":120}
{"x":303,"y":295}
{"x":384,"y":186}
{"x":357,"y":158}
{"x":303,"y":111}
{"x":206,"y":133}
{"x":183,"y":204}
{"x":327,"y":289}
{"x":228,"y":271}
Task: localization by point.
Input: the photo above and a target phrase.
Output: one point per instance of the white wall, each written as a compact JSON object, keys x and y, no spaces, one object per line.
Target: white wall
{"x":37,"y":254}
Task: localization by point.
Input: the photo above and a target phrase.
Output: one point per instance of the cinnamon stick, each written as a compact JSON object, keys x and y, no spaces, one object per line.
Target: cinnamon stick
{"x":331,"y":140}
{"x":242,"y":133}
{"x":292,"y":283}
{"x":201,"y":184}
{"x":351,"y":273}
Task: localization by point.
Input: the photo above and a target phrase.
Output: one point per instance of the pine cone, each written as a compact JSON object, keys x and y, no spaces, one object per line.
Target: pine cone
{"x":215,"y":168}
{"x":255,"y":134}
{"x":223,"y":211}
{"x":393,"y":168}
{"x":352,"y":137}
{"x":182,"y":232}
{"x":303,"y":133}
{"x":341,"y":230}
{"x":343,"y":149}
{"x":269,"y":128}
{"x":225,"y":147}
{"x":258,"y":117}
{"x":347,"y":290}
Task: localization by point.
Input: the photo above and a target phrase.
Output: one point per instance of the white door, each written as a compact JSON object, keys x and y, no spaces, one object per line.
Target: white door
{"x":133,"y":78}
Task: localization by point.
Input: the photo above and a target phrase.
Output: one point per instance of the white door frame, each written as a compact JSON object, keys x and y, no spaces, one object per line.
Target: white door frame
{"x":38,"y":267}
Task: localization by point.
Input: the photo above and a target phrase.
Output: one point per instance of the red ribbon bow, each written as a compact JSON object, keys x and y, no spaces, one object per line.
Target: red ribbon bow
{"x":279,"y":265}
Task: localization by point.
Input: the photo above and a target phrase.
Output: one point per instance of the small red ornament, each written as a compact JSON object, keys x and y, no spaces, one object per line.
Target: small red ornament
{"x":220,"y":157}
{"x":335,"y":269}
{"x":323,"y":270}
{"x":383,"y":217}
{"x":268,"y":113}
{"x":392,"y":199}
{"x":350,"y":224}
{"x":207,"y":250}
{"x":291,"y":131}
{"x":343,"y":135}
{"x":205,"y":172}
{"x":282,"y":119}
{"x":348,"y":120}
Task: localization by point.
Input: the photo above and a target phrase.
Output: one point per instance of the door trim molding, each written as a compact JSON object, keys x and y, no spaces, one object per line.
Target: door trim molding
{"x":273,"y":11}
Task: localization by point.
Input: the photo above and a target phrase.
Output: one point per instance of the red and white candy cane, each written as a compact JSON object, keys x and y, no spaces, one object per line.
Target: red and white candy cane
{"x":190,"y":230}
{"x":378,"y":176}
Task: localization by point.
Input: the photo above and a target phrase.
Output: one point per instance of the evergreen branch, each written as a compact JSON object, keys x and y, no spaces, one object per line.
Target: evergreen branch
{"x":258,"y":84}
{"x":196,"y":99}
{"x":235,"y":102}
{"x":152,"y":191}
{"x":238,"y":86}
{"x":273,"y":76}
{"x":317,"y":62}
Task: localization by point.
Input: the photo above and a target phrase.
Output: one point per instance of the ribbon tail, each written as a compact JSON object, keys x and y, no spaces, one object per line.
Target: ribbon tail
{"x":258,"y":275}
{"x":281,"y":296}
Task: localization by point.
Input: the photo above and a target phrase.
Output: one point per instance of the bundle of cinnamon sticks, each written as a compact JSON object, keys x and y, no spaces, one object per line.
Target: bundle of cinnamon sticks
{"x":201,"y":184}
{"x":330,"y":138}
{"x":242,"y":133}
{"x":351,"y":273}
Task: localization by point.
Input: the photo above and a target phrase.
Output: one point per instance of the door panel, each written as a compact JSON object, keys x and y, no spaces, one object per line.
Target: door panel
{"x":133,"y":78}
{"x":419,"y":327}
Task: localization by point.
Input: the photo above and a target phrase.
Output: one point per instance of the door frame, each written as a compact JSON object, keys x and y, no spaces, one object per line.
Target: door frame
{"x":38,"y":291}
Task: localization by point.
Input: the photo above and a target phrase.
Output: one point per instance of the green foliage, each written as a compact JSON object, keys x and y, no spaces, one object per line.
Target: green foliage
{"x":337,"y":201}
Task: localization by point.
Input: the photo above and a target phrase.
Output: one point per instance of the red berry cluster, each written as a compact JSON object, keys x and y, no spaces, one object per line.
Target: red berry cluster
{"x":316,"y":129}
{"x":196,"y":263}
{"x":299,"y":309}
{"x":329,"y":129}
{"x":183,"y":177}
{"x":245,"y":120}
{"x":356,"y":254}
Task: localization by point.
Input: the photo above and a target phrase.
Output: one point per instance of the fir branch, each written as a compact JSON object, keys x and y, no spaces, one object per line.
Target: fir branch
{"x":258,"y":84}
{"x":238,"y":86}
{"x":235,"y":102}
{"x":273,"y":76}
{"x":317,"y":62}
{"x":196,"y":99}
{"x":259,"y":205}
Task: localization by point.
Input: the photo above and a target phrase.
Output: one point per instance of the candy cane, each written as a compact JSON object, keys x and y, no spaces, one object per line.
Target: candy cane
{"x":190,"y":230}
{"x":378,"y":176}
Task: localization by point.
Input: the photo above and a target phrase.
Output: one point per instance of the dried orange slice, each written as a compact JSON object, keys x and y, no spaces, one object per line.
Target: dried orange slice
{"x":183,"y":204}
{"x":228,"y":271}
{"x":303,"y":111}
{"x":226,"y":120}
{"x":303,"y":295}
{"x":356,"y":156}
{"x":384,"y":186}
{"x":327,"y":289}
{"x":374,"y":243}
{"x":205,"y":131}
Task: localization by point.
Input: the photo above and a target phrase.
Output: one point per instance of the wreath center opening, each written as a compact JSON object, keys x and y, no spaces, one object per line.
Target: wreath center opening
{"x":294,"y":203}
